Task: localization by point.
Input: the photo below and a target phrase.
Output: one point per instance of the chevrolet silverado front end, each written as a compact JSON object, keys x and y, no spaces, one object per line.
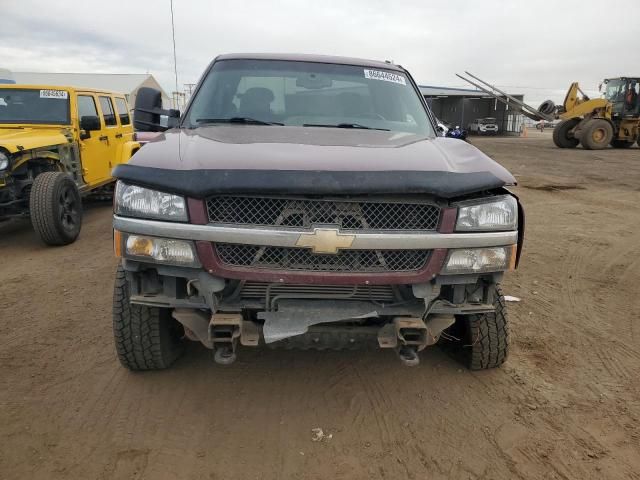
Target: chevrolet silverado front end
{"x":306,"y":202}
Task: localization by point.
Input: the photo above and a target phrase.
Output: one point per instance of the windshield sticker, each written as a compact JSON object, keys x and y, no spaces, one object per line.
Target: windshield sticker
{"x":386,"y":76}
{"x":61,"y":94}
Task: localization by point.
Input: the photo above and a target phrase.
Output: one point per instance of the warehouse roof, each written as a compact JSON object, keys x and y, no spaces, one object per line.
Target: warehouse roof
{"x":434,"y":91}
{"x":116,"y":82}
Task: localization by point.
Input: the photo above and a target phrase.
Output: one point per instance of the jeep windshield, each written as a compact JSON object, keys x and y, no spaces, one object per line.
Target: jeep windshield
{"x":34,"y":106}
{"x":275,"y":93}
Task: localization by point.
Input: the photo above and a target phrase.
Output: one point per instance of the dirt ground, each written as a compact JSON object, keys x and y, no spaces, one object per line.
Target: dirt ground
{"x":566,"y":405}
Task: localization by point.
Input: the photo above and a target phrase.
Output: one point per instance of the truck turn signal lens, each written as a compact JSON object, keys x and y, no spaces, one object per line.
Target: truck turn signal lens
{"x":117,"y":243}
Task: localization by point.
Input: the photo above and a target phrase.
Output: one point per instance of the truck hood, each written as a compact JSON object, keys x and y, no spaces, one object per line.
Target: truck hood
{"x":26,"y":138}
{"x":244,"y":158}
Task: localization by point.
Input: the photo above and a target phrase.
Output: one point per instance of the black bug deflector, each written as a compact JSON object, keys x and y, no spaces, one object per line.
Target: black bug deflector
{"x":202,"y":183}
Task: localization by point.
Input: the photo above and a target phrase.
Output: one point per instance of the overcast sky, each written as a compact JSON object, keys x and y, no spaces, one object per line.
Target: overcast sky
{"x":531,"y":47}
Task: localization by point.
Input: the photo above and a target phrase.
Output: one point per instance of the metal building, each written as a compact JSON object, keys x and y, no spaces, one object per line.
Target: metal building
{"x":460,"y":106}
{"x":126,"y":83}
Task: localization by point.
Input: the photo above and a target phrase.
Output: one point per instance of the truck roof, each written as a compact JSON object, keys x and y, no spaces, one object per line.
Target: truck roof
{"x":302,"y":57}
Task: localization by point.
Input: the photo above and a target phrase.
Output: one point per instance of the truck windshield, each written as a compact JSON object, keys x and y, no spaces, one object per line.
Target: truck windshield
{"x":34,"y":106}
{"x":292,"y":93}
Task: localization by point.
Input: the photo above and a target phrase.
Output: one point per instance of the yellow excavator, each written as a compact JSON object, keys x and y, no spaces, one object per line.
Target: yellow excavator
{"x":595,"y":123}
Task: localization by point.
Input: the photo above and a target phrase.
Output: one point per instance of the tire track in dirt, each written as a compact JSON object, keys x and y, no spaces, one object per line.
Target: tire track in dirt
{"x":601,"y":329}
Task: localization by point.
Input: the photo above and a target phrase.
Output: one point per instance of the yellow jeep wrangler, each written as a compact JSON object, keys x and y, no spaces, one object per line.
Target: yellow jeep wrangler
{"x":58,"y":144}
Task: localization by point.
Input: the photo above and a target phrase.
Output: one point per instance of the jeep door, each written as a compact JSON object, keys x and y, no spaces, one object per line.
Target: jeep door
{"x":111,"y":132}
{"x":124,"y":131}
{"x":95,"y":150}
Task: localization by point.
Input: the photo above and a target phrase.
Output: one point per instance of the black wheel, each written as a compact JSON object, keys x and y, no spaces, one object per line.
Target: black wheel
{"x":563,"y":133}
{"x":596,"y":134}
{"x":621,"y":143}
{"x":56,"y":208}
{"x":480,"y":341}
{"x":146,"y":338}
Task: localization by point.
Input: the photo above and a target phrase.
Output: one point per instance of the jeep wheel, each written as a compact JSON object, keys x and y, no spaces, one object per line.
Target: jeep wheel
{"x":563,"y":133}
{"x":621,"y":143}
{"x":596,"y":134}
{"x":146,"y":338}
{"x":56,"y":208}
{"x":481,"y":341}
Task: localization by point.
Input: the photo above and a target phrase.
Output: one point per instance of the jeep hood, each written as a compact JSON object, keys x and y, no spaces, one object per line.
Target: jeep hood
{"x":315,"y":160}
{"x":14,"y":139}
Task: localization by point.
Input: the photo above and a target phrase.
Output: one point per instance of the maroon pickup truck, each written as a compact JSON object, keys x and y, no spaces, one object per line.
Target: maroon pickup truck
{"x":306,"y":202}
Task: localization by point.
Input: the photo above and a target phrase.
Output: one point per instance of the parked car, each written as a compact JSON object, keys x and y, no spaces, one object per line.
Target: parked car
{"x":546,"y":124}
{"x":306,"y":201}
{"x":58,"y":144}
{"x":457,"y":132}
{"x":484,"y":126}
{"x":441,"y":127}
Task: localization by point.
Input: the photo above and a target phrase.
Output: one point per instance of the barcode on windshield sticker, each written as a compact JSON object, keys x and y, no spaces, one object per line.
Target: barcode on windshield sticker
{"x":386,"y":76}
{"x":54,"y":94}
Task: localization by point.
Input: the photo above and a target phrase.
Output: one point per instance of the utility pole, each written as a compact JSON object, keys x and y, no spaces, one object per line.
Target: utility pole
{"x":188,"y":88}
{"x":178,"y":100}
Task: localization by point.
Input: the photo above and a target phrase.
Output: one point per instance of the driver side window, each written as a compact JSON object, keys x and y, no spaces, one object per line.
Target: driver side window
{"x":86,"y":106}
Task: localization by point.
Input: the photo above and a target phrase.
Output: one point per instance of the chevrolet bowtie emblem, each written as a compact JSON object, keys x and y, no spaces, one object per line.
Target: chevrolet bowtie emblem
{"x":325,"y":240}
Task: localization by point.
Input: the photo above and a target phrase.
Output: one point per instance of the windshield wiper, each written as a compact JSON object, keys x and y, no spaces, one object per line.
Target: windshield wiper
{"x":244,"y":120}
{"x":344,"y":125}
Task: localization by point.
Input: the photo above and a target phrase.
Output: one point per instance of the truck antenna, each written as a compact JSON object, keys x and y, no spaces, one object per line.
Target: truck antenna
{"x":173,"y":35}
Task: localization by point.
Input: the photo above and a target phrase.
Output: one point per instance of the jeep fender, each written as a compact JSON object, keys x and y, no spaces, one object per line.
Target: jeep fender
{"x":127,"y":151}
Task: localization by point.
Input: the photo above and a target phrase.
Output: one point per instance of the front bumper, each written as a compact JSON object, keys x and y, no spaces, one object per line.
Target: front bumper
{"x":206,"y":236}
{"x":217,"y":299}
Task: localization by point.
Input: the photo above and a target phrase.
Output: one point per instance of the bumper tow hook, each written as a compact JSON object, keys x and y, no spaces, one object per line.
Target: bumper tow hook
{"x":409,"y":356}
{"x":224,"y":355}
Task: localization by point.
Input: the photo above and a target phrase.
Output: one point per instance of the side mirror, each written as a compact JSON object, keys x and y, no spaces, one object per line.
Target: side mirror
{"x":148,"y":110}
{"x":173,"y":118}
{"x":88,"y":124}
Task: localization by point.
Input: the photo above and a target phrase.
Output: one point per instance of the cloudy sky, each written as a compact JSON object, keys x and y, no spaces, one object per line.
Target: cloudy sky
{"x":532,"y":47}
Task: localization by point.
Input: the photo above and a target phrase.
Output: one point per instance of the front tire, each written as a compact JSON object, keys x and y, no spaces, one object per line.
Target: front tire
{"x":563,"y":133}
{"x":596,"y":134}
{"x":55,"y":208}
{"x":146,"y":338}
{"x":481,"y":341}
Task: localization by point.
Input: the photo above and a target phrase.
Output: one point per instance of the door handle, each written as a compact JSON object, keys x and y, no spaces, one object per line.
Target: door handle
{"x":103,"y":137}
{"x":118,"y":135}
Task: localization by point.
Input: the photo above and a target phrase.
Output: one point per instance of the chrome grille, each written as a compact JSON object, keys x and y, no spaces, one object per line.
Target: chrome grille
{"x":259,"y":290}
{"x":304,"y":213}
{"x":356,"y":261}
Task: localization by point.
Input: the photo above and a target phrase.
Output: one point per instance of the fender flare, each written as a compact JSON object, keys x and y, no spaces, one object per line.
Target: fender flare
{"x":129,"y":148}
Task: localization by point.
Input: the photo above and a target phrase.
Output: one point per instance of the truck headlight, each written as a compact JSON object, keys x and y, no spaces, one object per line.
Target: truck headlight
{"x":134,"y":201}
{"x":479,"y":260}
{"x":160,"y":250}
{"x":499,"y":213}
{"x":4,"y":161}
